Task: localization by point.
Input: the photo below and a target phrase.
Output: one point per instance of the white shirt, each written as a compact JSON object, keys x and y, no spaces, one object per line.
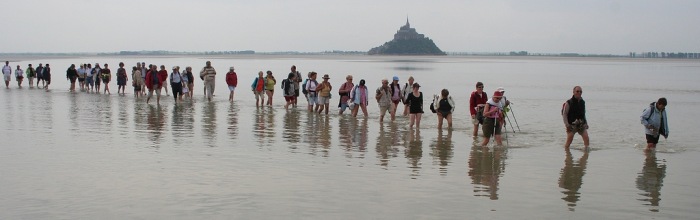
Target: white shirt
{"x":7,"y":70}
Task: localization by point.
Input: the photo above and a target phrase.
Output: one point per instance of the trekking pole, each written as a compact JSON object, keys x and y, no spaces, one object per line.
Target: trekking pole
{"x":513,"y":113}
{"x":511,"y":124}
{"x":507,"y":135}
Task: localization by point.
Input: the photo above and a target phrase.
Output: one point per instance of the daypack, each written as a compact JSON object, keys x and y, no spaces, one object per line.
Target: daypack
{"x":352,"y":93}
{"x":651,"y":111}
{"x":432,"y":104}
{"x":480,"y":114}
{"x":303,"y":87}
{"x":284,"y":81}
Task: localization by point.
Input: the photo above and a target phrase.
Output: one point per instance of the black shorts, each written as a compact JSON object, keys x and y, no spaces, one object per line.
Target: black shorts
{"x":72,"y":79}
{"x":296,"y":93}
{"x":652,"y":140}
{"x":81,"y":79}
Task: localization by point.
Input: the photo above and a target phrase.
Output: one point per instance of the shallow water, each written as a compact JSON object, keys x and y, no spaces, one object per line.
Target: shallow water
{"x":86,"y":156}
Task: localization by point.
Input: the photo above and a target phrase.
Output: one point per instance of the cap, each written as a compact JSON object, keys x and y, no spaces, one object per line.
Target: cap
{"x":325,"y":76}
{"x":396,"y":78}
{"x":501,"y":89}
{"x":230,"y":68}
{"x":497,"y":94}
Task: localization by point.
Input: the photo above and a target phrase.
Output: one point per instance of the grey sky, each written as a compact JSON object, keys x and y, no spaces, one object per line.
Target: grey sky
{"x":590,"y":26}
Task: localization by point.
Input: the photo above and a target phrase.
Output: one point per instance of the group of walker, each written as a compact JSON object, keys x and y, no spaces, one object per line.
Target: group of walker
{"x":490,"y":113}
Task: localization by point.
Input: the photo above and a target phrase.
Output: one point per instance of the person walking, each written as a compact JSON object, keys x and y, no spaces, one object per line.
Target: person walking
{"x":19,"y":75}
{"x":89,"y":78}
{"x":574,"y":115}
{"x":360,"y":98}
{"x":258,"y":88}
{"x":383,"y":96}
{"x":176,"y":83}
{"x":312,"y":95}
{"x":153,"y":83}
{"x":444,"y":107}
{"x":106,"y":75}
{"x":298,"y":79}
{"x":655,"y":122}
{"x":477,"y":100}
{"x":137,"y":81}
{"x":232,"y":82}
{"x":344,"y":92}
{"x":415,"y":105}
{"x":288,"y":90}
{"x":208,"y":74}
{"x":72,"y":75}
{"x":144,"y":70}
{"x":396,"y":96}
{"x":190,"y":82}
{"x":31,"y":73}
{"x":122,"y":78}
{"x":324,"y":94}
{"x":492,"y":119}
{"x":7,"y":74}
{"x":47,"y":76}
{"x":97,"y":75}
{"x":40,"y":75}
{"x":407,"y":88}
{"x":81,"y":77}
{"x":270,"y":83}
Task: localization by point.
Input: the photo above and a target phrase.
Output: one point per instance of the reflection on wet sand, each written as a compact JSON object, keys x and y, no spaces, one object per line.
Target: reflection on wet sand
{"x":442,"y":151}
{"x":414,"y":151}
{"x":233,"y":121}
{"x":651,"y":179}
{"x":325,"y":134}
{"x":156,"y":122}
{"x":486,"y":167}
{"x":571,"y":178}
{"x":182,"y":122}
{"x":264,"y":126}
{"x":290,"y":133}
{"x":387,"y":139}
{"x":209,"y":123}
{"x":317,"y":134}
{"x":345,"y":134}
{"x":360,"y":137}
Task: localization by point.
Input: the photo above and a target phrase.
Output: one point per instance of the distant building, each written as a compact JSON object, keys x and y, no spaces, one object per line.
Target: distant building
{"x":407,"y":33}
{"x":407,"y":41}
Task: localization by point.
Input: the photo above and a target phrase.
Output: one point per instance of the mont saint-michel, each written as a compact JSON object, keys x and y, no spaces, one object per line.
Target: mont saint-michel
{"x":407,"y":41}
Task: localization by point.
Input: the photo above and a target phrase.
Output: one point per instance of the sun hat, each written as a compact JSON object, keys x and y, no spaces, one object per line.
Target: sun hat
{"x":325,"y":76}
{"x":497,"y":94}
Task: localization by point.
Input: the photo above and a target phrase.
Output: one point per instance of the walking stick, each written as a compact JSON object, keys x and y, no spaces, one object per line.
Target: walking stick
{"x":513,"y":113}
{"x":511,"y":124}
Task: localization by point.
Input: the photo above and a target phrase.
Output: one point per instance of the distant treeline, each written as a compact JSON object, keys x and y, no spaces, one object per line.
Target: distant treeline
{"x":679,"y":55}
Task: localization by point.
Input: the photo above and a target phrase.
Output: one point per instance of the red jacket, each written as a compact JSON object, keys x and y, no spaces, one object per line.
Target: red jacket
{"x":232,"y":79}
{"x":149,"y":80}
{"x":163,"y":76}
{"x":475,"y":100}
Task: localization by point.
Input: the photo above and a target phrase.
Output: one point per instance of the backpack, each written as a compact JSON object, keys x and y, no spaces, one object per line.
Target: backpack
{"x":352,"y":93}
{"x":480,"y":114}
{"x":651,"y":111}
{"x":284,"y":81}
{"x":303,"y":87}
{"x":432,"y":104}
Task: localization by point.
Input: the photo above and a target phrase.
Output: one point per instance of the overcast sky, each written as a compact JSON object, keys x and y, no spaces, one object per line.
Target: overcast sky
{"x":550,"y":26}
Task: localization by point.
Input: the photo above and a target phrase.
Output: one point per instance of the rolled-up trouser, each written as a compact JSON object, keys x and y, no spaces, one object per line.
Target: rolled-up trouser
{"x":209,"y":84}
{"x":177,"y":89}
